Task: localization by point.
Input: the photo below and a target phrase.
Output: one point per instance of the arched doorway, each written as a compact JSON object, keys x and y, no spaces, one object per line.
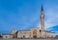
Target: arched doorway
{"x":34,"y":36}
{"x":35,"y":33}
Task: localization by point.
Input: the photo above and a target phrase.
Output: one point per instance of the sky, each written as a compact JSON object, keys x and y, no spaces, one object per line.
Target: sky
{"x":25,"y":14}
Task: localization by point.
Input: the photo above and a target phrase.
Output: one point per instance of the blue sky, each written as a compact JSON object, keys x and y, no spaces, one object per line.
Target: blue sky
{"x":25,"y":14}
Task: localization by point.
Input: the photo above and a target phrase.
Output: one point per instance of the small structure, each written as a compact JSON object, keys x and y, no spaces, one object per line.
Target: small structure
{"x":6,"y":36}
{"x":11,"y":35}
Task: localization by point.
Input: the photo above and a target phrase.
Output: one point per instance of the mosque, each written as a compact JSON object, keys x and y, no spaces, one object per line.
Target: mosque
{"x":34,"y":32}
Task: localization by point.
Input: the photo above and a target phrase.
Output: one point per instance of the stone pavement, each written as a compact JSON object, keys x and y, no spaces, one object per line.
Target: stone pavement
{"x":28,"y":39}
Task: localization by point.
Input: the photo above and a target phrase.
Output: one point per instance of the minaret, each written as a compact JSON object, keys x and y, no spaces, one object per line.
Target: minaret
{"x":42,"y":18}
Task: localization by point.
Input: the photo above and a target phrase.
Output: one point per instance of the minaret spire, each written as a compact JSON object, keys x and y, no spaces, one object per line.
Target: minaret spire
{"x":42,"y":8}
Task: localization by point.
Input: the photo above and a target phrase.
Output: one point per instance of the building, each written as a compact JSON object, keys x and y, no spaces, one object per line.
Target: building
{"x":37,"y":32}
{"x":34,"y":32}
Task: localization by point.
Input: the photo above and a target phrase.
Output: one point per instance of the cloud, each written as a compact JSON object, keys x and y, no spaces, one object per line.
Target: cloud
{"x":52,"y":17}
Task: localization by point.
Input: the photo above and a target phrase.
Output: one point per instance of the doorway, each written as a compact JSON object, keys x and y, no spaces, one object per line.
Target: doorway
{"x":34,"y":36}
{"x":23,"y":36}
